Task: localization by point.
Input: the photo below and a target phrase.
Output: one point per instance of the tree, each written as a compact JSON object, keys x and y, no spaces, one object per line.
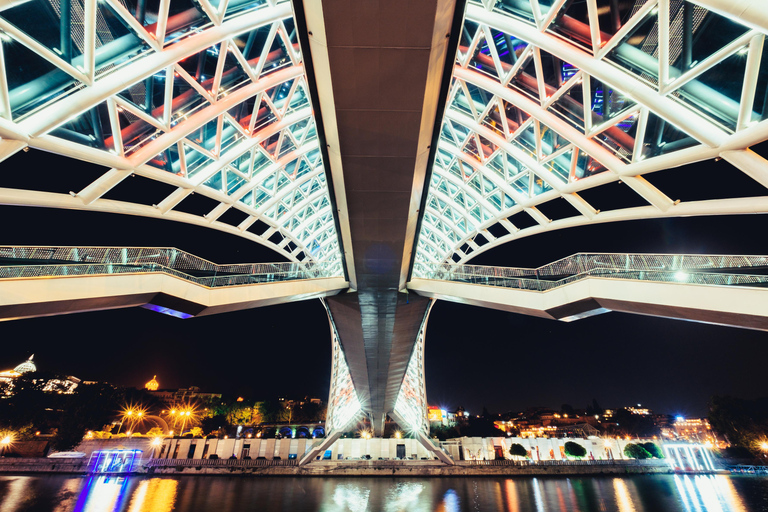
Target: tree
{"x":89,"y":408}
{"x":269,"y":411}
{"x":574,"y":450}
{"x":635,"y":451}
{"x":518,"y":450}
{"x":442,"y":432}
{"x":156,"y":432}
{"x":743,"y":422}
{"x":653,"y":449}
{"x":215,"y":423}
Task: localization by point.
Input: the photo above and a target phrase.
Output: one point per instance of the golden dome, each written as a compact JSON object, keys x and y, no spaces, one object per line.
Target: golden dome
{"x":152,"y":385}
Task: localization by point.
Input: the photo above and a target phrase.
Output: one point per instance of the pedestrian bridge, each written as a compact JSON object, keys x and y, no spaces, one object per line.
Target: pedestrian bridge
{"x":40,"y":281}
{"x":725,"y":290}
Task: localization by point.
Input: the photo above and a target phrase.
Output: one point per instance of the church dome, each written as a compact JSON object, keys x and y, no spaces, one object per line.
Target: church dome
{"x":153,"y":384}
{"x":27,"y":366}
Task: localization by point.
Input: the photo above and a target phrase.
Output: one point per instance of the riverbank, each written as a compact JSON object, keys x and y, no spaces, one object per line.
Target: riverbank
{"x":348,"y":468}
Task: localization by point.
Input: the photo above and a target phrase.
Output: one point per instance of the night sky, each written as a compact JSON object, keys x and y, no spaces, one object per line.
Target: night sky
{"x":475,"y":357}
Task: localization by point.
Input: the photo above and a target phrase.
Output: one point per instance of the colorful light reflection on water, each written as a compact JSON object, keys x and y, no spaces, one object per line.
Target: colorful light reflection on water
{"x":660,"y":493}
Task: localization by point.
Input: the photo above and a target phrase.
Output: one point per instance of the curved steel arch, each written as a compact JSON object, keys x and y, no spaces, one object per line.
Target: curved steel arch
{"x":238,"y":130}
{"x":495,"y":86}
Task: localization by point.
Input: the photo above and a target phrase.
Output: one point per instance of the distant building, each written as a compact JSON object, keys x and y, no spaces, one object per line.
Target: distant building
{"x":64,"y":385}
{"x":152,"y":385}
{"x":182,"y":394}
{"x":695,"y":430}
{"x":440,"y":417}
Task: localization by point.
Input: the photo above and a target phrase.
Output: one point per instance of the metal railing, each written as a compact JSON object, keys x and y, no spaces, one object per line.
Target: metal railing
{"x":218,"y":463}
{"x":509,"y":462}
{"x":28,"y":262}
{"x":673,"y":268}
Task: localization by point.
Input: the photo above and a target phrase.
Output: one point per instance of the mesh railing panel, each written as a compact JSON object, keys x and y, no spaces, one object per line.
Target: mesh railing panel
{"x":81,"y":261}
{"x":674,"y":268}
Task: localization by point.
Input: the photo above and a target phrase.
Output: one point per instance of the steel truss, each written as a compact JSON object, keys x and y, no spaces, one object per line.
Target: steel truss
{"x":545,"y":104}
{"x":212,"y":100}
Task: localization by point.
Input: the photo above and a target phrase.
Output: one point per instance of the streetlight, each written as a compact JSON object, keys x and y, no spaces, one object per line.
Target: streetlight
{"x":127,"y":413}
{"x":156,"y":443}
{"x":4,"y":443}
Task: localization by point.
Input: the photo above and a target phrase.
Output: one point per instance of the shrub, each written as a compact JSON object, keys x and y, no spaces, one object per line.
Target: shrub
{"x":653,"y":449}
{"x":635,"y":451}
{"x":518,"y":450}
{"x":575,"y":450}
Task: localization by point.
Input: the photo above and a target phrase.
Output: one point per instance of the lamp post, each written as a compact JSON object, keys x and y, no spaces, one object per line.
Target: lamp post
{"x":128,"y":413}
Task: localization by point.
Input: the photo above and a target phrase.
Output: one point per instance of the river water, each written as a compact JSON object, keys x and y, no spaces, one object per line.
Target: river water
{"x":657,"y":493}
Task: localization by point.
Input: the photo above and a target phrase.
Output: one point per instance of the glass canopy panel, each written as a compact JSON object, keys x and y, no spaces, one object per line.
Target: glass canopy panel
{"x":492,"y":152}
{"x":185,"y":17}
{"x":271,"y":168}
{"x":520,"y":9}
{"x":638,"y":51}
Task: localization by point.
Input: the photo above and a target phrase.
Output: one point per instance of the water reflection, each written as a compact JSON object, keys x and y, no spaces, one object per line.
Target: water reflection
{"x":224,"y":494}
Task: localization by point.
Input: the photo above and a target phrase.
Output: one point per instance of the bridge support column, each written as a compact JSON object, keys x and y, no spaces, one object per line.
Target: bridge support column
{"x":344,"y":406}
{"x":410,"y":410}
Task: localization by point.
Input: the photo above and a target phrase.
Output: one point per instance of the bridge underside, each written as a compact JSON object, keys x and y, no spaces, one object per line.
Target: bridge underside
{"x":381,"y":94}
{"x":732,"y":306}
{"x":34,"y":297}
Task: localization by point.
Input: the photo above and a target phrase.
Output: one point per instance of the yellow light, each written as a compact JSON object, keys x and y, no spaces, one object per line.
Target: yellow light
{"x":157,"y":441}
{"x":764,"y":446}
{"x":8,"y":439}
{"x":140,"y":414}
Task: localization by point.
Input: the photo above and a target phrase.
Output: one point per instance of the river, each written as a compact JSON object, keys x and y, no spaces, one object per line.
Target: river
{"x":652,"y":493}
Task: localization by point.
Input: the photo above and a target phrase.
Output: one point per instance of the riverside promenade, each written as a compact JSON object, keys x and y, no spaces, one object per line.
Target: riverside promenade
{"x":349,"y":468}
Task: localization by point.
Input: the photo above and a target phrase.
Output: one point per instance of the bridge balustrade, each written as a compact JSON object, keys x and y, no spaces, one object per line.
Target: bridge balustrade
{"x":31,"y":262}
{"x":670,"y":268}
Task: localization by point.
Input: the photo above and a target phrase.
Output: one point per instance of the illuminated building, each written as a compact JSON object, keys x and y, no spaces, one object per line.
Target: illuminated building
{"x":437,"y":416}
{"x":258,"y":113}
{"x":27,"y":366}
{"x":182,"y":395}
{"x":64,"y":385}
{"x":152,"y":385}
{"x":695,"y":430}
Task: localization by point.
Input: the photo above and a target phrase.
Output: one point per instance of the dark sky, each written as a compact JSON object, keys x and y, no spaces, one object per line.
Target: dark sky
{"x":475,"y":357}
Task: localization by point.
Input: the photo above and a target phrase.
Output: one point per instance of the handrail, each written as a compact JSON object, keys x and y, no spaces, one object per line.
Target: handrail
{"x":719,"y":270}
{"x":28,"y":261}
{"x":221,"y":463}
{"x":608,"y":462}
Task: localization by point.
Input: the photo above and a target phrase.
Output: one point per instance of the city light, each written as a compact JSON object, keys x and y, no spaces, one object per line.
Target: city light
{"x":5,"y":441}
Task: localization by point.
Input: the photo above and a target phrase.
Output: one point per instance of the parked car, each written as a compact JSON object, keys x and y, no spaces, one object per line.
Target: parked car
{"x":213,"y":456}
